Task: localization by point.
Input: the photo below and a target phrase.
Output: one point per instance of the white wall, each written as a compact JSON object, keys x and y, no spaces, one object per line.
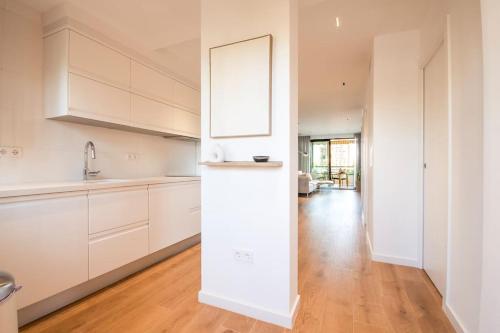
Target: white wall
{"x":465,"y":232}
{"x":396,"y":148}
{"x":252,"y":209}
{"x":53,"y":150}
{"x":490,"y":300}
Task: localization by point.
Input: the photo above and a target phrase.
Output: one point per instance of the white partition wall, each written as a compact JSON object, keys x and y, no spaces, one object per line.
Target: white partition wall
{"x":395,"y":118}
{"x":489,"y":319}
{"x":252,"y":210}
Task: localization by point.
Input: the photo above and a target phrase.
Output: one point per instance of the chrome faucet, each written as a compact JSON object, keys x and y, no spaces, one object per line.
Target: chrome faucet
{"x":86,"y":171}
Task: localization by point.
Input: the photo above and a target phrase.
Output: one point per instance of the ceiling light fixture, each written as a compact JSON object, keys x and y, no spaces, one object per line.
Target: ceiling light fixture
{"x":337,"y":20}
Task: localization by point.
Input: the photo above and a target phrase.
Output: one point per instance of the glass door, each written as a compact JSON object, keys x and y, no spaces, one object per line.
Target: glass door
{"x":320,"y":159}
{"x":343,"y":162}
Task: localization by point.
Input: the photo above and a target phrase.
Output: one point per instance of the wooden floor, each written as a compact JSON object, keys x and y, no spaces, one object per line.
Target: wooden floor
{"x":341,"y":289}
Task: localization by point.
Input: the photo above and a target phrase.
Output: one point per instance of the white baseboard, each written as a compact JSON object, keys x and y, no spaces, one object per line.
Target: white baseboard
{"x":390,"y":259}
{"x":281,"y":319}
{"x":395,"y":260}
{"x":455,"y":322}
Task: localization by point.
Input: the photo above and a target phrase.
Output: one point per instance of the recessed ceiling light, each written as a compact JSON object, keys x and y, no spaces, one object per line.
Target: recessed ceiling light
{"x":337,"y":20}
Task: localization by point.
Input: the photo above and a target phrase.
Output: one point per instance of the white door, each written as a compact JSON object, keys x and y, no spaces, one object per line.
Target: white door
{"x":436,"y":168}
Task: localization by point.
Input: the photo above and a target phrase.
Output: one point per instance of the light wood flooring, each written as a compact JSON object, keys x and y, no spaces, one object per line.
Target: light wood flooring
{"x":341,"y":289}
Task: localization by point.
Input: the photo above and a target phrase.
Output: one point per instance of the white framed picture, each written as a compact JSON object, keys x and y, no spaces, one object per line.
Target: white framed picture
{"x":240,"y":88}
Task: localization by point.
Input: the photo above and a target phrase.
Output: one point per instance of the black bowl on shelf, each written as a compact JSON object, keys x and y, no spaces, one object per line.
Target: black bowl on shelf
{"x":261,"y":159}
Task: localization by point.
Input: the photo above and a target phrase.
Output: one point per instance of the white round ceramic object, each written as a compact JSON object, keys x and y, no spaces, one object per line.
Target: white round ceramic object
{"x":216,"y":154}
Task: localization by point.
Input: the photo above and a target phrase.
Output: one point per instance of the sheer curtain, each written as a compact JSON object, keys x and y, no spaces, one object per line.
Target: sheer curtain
{"x":304,"y":157}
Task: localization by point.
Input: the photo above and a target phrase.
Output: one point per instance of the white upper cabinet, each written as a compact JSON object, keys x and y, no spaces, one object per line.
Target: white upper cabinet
{"x":187,"y":122}
{"x":85,"y":80}
{"x":187,"y":97}
{"x":151,"y":114}
{"x":151,"y":83}
{"x":93,"y":58}
{"x":95,"y":100}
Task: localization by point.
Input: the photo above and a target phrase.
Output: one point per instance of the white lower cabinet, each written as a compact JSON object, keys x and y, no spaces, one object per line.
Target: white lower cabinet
{"x":115,"y":249}
{"x":118,"y":227}
{"x":44,"y":243}
{"x":117,"y":207}
{"x":53,"y":242}
{"x":175,"y":213}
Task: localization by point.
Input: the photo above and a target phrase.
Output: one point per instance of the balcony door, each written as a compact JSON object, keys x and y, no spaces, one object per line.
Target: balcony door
{"x":335,"y":160}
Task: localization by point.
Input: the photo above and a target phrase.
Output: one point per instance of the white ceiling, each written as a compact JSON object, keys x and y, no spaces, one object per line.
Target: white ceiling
{"x":170,"y":30}
{"x":329,"y":56}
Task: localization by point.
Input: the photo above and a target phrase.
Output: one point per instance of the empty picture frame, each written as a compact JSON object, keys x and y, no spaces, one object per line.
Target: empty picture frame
{"x":240,"y":88}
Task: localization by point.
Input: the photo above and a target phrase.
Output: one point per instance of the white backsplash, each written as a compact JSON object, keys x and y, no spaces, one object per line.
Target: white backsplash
{"x":53,"y":150}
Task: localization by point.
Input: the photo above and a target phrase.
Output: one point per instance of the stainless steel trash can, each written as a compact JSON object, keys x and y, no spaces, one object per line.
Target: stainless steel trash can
{"x":8,"y":308}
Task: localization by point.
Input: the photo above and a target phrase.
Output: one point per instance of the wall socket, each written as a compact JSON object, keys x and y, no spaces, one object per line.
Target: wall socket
{"x":243,"y":255}
{"x":11,"y":152}
{"x":132,"y":156}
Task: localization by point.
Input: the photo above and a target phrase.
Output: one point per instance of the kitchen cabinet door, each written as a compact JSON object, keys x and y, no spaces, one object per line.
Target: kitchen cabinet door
{"x":175,"y":213}
{"x":44,"y":243}
{"x":117,"y":207}
{"x":152,"y":114}
{"x":94,"y":100}
{"x":90,"y":57}
{"x":187,"y":122}
{"x":111,"y":250}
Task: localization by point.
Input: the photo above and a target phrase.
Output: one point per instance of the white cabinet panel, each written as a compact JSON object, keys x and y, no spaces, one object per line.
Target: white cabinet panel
{"x":100,"y":61}
{"x":103,"y":101}
{"x":151,"y":82}
{"x":86,"y":81}
{"x":151,"y":113}
{"x":187,"y":96}
{"x":115,"y":250}
{"x":174,"y":213}
{"x":115,"y":208}
{"x":44,"y":244}
{"x":187,"y":122}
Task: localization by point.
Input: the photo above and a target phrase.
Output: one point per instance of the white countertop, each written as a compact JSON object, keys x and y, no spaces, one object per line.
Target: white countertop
{"x":59,"y":187}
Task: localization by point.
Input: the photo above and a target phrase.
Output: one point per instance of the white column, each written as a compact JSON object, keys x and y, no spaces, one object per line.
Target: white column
{"x":252,"y":209}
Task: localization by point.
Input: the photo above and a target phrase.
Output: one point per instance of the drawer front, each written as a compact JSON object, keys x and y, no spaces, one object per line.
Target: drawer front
{"x":175,"y":214}
{"x":116,"y":208}
{"x":97,"y":60}
{"x":187,"y":122}
{"x":103,"y":101}
{"x":151,"y":83}
{"x":115,"y":250}
{"x":151,"y":113}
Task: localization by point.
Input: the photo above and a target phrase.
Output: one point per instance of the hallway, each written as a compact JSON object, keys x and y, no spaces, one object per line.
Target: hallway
{"x":341,"y":289}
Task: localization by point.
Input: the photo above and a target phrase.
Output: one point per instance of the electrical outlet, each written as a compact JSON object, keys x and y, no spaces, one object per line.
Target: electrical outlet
{"x":16,"y":152}
{"x":243,"y":256}
{"x":11,"y":152}
{"x":132,"y":156}
{"x":4,"y":152}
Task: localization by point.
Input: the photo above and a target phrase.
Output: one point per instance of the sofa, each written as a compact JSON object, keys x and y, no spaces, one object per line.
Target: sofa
{"x":306,"y":184}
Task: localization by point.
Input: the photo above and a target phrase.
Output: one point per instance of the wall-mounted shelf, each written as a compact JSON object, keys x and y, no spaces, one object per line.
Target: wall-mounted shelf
{"x":244,"y":164}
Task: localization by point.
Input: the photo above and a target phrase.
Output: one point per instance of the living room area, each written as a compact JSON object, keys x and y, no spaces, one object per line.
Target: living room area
{"x":331,"y":162}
